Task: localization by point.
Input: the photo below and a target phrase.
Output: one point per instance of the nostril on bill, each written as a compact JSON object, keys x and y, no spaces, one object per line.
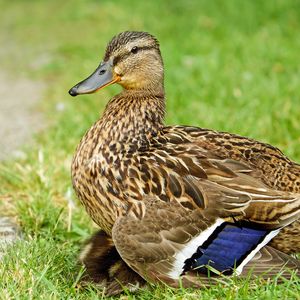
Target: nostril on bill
{"x":101,"y":72}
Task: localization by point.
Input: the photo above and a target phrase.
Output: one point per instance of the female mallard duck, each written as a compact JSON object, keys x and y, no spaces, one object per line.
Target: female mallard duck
{"x":177,"y":201}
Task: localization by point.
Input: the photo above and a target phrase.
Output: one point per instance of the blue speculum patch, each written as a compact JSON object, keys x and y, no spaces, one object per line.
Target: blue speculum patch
{"x":226,"y":248}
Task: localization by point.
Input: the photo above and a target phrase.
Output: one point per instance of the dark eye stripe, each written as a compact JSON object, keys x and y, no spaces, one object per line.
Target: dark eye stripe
{"x":146,"y":48}
{"x":119,"y":58}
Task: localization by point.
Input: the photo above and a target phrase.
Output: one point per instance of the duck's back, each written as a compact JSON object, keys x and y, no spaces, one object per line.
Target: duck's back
{"x":274,"y":168}
{"x":270,"y":164}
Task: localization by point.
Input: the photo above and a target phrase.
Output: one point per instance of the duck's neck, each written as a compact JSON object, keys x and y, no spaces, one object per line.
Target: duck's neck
{"x":129,"y":121}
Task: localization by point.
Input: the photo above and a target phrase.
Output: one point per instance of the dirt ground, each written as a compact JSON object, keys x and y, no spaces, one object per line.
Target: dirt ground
{"x":19,"y":120}
{"x":19,"y":116}
{"x":9,"y":233}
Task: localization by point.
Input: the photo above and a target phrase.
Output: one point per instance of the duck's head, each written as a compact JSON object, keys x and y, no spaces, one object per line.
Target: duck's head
{"x":132,"y":59}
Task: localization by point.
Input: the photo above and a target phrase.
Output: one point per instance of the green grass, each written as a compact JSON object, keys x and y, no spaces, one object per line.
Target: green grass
{"x":230,"y":65}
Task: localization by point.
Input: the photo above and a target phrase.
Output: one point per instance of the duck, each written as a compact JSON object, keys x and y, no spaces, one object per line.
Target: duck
{"x":178,"y":205}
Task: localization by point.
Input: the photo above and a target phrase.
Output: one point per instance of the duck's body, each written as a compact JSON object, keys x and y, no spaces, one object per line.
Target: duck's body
{"x":110,"y":150}
{"x":112,"y":162}
{"x":129,"y":165}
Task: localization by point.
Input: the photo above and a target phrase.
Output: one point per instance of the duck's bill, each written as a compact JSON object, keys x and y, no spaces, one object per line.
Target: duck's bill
{"x":102,"y":77}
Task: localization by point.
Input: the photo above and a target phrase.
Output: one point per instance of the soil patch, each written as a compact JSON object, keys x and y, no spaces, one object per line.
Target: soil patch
{"x":19,"y":116}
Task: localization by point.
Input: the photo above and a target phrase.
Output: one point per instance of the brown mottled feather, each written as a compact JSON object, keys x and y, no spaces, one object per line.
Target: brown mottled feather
{"x":105,"y":267}
{"x":150,"y":249}
{"x":129,"y":155}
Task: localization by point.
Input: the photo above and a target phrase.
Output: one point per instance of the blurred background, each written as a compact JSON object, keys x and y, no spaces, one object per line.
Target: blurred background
{"x":229,"y":65}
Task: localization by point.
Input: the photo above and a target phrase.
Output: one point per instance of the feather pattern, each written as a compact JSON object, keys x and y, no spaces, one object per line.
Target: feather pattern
{"x":161,"y":192}
{"x":227,"y":248}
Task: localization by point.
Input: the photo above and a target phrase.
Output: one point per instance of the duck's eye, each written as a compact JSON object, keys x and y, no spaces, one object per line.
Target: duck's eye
{"x":134,"y":50}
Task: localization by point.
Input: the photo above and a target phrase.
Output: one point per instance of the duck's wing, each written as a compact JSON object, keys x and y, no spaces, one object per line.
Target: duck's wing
{"x":272,"y":262}
{"x":267,"y":263}
{"x":171,"y":244}
{"x":243,"y":155}
{"x":221,"y":187}
{"x":198,"y":209}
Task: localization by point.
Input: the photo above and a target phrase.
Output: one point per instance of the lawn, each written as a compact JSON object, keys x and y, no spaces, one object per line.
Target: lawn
{"x":230,"y":65}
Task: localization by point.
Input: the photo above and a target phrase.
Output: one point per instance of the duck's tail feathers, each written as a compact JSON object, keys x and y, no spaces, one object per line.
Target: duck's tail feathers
{"x":105,"y":267}
{"x":269,"y":262}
